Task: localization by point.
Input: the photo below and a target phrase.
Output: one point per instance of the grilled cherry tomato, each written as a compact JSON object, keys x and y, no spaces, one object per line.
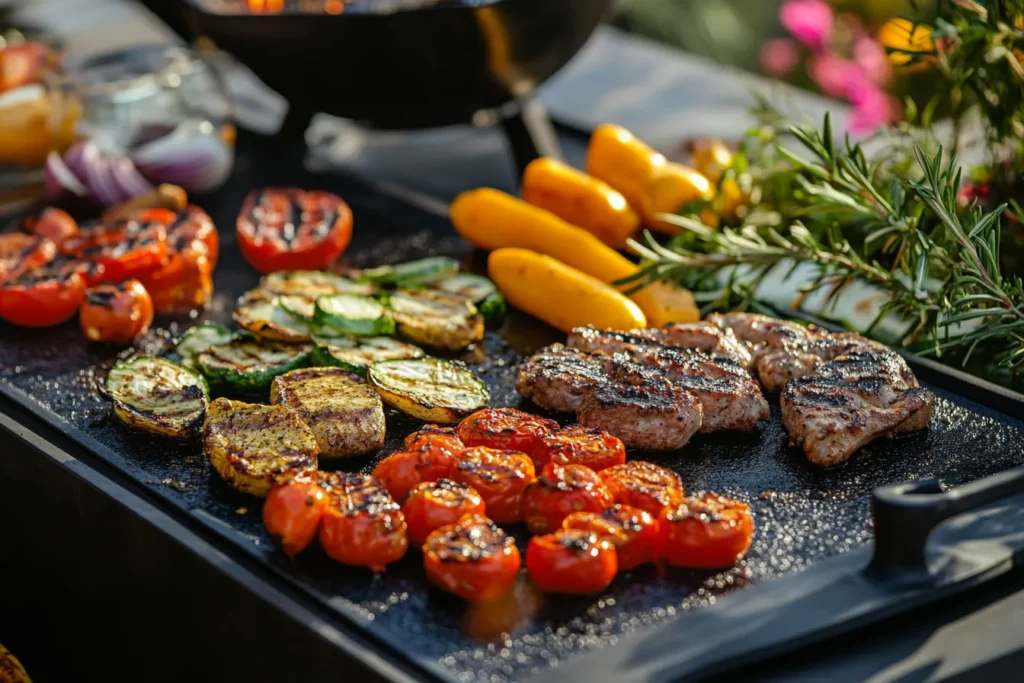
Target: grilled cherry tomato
{"x":119,"y":313}
{"x":500,"y":477}
{"x":292,"y":229}
{"x":576,"y":445}
{"x":362,"y":525}
{"x":53,"y":224}
{"x":442,"y":440}
{"x":633,"y":532}
{"x":434,"y":504}
{"x":20,"y":252}
{"x":472,"y":559}
{"x":571,"y":561}
{"x":401,"y":472}
{"x":43,"y":296}
{"x":126,"y":248}
{"x":560,"y":491}
{"x":706,"y":532}
{"x":185,"y":280}
{"x":504,"y":428}
{"x":292,"y":513}
{"x":643,"y":485}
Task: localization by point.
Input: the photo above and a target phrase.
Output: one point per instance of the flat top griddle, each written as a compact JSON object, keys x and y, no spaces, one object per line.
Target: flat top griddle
{"x":803,"y":515}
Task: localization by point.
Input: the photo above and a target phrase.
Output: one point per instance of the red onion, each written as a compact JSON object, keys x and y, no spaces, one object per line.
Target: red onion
{"x":193,"y":156}
{"x":59,"y":179}
{"x":128,"y":177}
{"x":98,"y":178}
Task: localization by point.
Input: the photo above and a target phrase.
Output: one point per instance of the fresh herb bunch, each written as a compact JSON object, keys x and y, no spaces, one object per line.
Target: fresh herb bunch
{"x":904,"y":233}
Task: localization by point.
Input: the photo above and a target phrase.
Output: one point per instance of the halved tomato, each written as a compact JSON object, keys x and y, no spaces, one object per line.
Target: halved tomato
{"x":20,"y":252}
{"x":293,"y":229}
{"x":43,"y":296}
{"x":54,"y":224}
{"x":126,"y":248}
{"x":185,"y":281}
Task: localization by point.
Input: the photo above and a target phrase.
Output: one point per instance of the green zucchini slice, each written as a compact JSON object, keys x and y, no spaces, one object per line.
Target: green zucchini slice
{"x":353,"y":315}
{"x":248,"y":364}
{"x":159,"y":396}
{"x":259,"y":312}
{"x":436,"y":319}
{"x":299,"y":307}
{"x":357,"y":354}
{"x":199,"y":338}
{"x":311,"y":284}
{"x":429,"y":389}
{"x":478,"y":289}
{"x":412,"y":273}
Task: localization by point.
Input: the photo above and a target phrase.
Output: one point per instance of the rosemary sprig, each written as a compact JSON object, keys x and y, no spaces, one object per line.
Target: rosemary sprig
{"x":905,"y":234}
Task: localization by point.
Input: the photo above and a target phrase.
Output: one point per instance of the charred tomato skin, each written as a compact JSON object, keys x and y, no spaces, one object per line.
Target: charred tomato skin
{"x":504,"y":429}
{"x":472,"y":559}
{"x":43,"y":296}
{"x":402,"y":471}
{"x":362,"y":525}
{"x":708,"y":531}
{"x":292,"y":513}
{"x":643,"y":485}
{"x":126,"y":248}
{"x":578,"y":445}
{"x":117,"y":314}
{"x":54,"y":224}
{"x":293,"y":229}
{"x":185,"y":279}
{"x":560,"y":491}
{"x":634,"y":533}
{"x":499,"y":476}
{"x":20,"y":253}
{"x":435,"y":504}
{"x":440,"y":440}
{"x":571,"y":561}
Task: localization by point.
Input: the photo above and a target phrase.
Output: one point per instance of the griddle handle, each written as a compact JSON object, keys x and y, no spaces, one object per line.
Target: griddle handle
{"x":906,"y":514}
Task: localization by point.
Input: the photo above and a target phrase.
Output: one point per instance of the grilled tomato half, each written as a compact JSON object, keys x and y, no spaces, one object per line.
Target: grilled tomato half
{"x":434,"y":504}
{"x":560,"y":491}
{"x":643,"y":485}
{"x":633,"y":532}
{"x":505,"y":428}
{"x":571,"y":561}
{"x":706,"y":532}
{"x":472,"y":559}
{"x":576,"y":445}
{"x":362,"y":526}
{"x":293,"y":229}
{"x":499,"y":476}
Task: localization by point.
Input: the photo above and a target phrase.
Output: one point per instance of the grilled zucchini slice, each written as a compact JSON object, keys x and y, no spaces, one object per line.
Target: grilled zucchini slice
{"x":354,"y":315}
{"x":478,"y":289}
{"x":299,"y":307}
{"x":357,"y":354}
{"x":343,"y":411}
{"x":258,"y":312}
{"x":199,"y":338}
{"x":412,"y":273}
{"x":430,"y":389}
{"x":248,"y":364}
{"x":256,"y":447}
{"x":311,"y":284}
{"x":436,"y":319}
{"x":158,"y":396}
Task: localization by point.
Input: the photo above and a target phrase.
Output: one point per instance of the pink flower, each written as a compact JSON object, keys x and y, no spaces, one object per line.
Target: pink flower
{"x":779,"y":56}
{"x":810,"y":21}
{"x":834,"y":75}
{"x":871,"y":58}
{"x":872,"y":108}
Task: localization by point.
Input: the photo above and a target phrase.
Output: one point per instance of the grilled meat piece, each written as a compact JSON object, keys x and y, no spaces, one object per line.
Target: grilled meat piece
{"x":557,"y":378}
{"x":730,"y":397}
{"x":851,"y":400}
{"x":653,"y":415}
{"x":720,"y":342}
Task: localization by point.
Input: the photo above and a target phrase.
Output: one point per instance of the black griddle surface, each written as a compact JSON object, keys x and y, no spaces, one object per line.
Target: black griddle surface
{"x":802,"y":514}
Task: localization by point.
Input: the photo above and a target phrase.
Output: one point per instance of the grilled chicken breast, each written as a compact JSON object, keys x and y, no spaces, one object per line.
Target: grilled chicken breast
{"x":654,"y":415}
{"x":344,"y":412}
{"x":255,"y":447}
{"x":720,"y":342}
{"x":851,"y":400}
{"x":731,"y":398}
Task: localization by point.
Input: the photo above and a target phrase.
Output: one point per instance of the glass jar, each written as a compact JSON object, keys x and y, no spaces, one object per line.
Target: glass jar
{"x":165,"y":108}
{"x":34,"y":118}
